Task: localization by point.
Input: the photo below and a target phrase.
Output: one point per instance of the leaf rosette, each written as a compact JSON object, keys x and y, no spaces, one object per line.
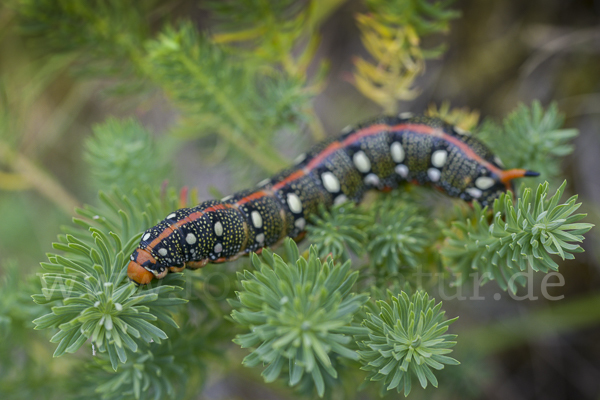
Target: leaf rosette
{"x":299,"y":315}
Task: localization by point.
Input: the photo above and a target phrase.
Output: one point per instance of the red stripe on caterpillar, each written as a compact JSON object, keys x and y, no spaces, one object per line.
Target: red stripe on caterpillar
{"x":378,"y":154}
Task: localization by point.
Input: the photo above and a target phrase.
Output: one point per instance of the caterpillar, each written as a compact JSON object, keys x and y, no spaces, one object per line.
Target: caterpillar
{"x":378,"y":154}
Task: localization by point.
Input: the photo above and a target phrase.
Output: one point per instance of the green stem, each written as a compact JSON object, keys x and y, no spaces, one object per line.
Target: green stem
{"x":248,"y":148}
{"x":314,"y":123}
{"x":44,"y":183}
{"x":564,"y":316}
{"x":273,"y":161}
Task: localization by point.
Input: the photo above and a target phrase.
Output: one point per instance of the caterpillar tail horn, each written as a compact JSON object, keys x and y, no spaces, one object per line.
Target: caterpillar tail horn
{"x":511,"y":174}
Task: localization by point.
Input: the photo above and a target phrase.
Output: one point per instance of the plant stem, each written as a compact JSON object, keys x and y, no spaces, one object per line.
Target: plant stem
{"x":272,"y":160}
{"x":43,"y":182}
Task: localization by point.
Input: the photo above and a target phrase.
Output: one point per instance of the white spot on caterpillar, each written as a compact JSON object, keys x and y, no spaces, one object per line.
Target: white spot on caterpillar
{"x":260,"y":239}
{"x":331,"y":182}
{"x":264,"y":182}
{"x":227,"y":197}
{"x":190,"y":238}
{"x":498,"y":161}
{"x":300,"y":158}
{"x":218,"y":228}
{"x":361,"y":161}
{"x":438,"y":158}
{"x":484,"y":182}
{"x":171,"y":216}
{"x":397,"y":152}
{"x":372,"y":180}
{"x":434,"y":174}
{"x":406,"y":115}
{"x":218,"y":248}
{"x":294,"y":203}
{"x":347,"y":129}
{"x":340,"y":199}
{"x":460,"y":130}
{"x":474,"y":192}
{"x":402,"y":170}
{"x":131,"y":257}
{"x":300,"y":223}
{"x":146,"y":236}
{"x":257,"y":220}
{"x":163,"y":252}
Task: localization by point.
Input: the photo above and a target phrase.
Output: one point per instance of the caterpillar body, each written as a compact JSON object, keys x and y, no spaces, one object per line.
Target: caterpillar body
{"x":378,"y":154}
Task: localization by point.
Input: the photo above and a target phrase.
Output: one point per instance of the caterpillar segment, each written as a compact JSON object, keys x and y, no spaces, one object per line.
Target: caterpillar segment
{"x":378,"y":154}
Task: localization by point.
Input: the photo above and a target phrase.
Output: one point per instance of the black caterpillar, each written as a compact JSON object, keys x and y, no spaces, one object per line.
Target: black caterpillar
{"x":378,"y":154}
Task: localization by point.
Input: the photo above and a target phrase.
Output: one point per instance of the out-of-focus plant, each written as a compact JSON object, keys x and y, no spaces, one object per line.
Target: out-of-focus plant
{"x":462,"y":118}
{"x":207,"y":83}
{"x":398,"y":236}
{"x":341,"y":229}
{"x":284,"y":34}
{"x":122,"y":154}
{"x":105,"y":37}
{"x":532,"y":138}
{"x":392,"y":34}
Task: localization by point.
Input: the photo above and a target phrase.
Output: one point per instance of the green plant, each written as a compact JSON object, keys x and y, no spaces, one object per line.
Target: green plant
{"x":89,"y":279}
{"x":340,"y":229}
{"x":406,"y":339}
{"x":399,"y":236}
{"x":123,"y":154}
{"x":531,"y":137}
{"x":521,"y":236}
{"x":299,"y":314}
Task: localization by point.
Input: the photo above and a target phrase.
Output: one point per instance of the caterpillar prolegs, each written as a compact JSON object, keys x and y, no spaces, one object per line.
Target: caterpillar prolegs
{"x":378,"y":154}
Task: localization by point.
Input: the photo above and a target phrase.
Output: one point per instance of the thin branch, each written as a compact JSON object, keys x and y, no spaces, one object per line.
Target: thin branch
{"x":42,"y":181}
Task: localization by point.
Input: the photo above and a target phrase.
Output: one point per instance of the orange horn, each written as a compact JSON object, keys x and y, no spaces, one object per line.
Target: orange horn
{"x":508,"y":175}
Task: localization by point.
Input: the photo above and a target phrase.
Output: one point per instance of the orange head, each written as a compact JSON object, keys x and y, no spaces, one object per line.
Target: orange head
{"x":143,"y":267}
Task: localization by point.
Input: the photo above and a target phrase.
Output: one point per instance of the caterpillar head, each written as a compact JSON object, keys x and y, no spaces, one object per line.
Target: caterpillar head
{"x":143,"y":267}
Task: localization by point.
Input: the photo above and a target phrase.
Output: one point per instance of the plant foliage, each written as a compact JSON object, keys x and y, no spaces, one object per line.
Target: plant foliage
{"x":398,"y":236}
{"x":392,"y":33}
{"x":532,"y":138}
{"x":521,"y":236}
{"x":299,"y":315}
{"x":219,"y":90}
{"x":425,"y":17}
{"x":406,"y":339}
{"x":339,"y":229}
{"x":87,"y":282}
{"x":124,"y":155}
{"x":106,"y":36}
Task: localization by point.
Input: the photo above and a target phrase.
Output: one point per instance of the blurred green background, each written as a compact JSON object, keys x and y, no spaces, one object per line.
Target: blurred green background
{"x":500,"y":53}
